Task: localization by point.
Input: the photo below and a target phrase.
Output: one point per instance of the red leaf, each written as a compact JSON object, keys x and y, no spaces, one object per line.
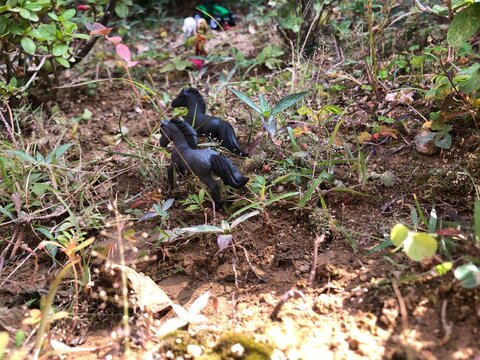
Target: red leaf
{"x":114,"y":39}
{"x":97,"y":29}
{"x":124,"y":52}
{"x":83,"y":7}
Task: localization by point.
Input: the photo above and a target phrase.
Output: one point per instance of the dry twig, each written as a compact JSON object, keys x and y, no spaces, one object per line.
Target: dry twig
{"x":313,"y":270}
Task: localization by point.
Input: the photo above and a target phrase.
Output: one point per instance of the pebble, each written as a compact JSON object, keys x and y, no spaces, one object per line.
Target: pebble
{"x":237,"y":350}
{"x":425,"y":143}
{"x":194,"y":350}
{"x":305,"y":268}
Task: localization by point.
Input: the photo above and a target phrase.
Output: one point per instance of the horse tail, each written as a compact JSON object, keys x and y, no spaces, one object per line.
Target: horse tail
{"x":230,"y":175}
{"x":226,"y":133}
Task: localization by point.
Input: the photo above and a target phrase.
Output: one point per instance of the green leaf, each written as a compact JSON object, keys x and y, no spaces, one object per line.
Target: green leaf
{"x":264,"y":105}
{"x":28,"y":45}
{"x":244,"y":217}
{"x":419,"y":246}
{"x":59,"y":50}
{"x":46,"y":32}
{"x":67,"y":15}
{"x":202,"y":229}
{"x":308,"y":194}
{"x":288,"y":101}
{"x":468,"y":275}
{"x":121,"y":10}
{"x":246,"y":100}
{"x":464,"y":25}
{"x":398,"y":234}
{"x":62,"y":61}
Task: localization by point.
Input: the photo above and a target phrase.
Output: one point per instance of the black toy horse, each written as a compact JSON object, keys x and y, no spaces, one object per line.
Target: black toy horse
{"x":205,"y":125}
{"x":202,"y":162}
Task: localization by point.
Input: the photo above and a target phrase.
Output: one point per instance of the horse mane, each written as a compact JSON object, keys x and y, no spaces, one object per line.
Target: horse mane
{"x":188,"y":132}
{"x":198,"y":97}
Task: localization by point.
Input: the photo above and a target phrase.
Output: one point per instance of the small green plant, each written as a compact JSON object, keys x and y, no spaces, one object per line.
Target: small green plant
{"x":158,"y":210}
{"x":195,"y":202}
{"x":267,"y":113}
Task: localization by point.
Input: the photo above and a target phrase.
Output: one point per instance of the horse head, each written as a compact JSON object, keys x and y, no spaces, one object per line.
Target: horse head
{"x":166,"y":133}
{"x":191,"y":96}
{"x":179,"y":127}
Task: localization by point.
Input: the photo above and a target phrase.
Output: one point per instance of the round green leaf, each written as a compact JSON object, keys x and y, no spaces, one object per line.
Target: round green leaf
{"x":59,"y":50}
{"x":62,"y":61}
{"x":464,"y":25}
{"x":468,"y":275}
{"x":28,"y":45}
{"x":398,"y":234}
{"x":419,"y":246}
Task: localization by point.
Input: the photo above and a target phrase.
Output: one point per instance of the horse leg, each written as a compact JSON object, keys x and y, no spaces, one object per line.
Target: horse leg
{"x":171,"y":176}
{"x":213,"y":187}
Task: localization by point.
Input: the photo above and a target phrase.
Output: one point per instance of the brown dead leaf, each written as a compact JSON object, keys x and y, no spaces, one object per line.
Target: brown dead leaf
{"x":149,"y":295}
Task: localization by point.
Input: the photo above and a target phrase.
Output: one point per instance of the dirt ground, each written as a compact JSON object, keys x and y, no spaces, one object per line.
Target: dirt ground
{"x":362,"y":304}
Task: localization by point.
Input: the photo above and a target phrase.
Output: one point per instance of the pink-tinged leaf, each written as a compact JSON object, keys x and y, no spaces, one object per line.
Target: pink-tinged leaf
{"x":97,"y":29}
{"x":124,"y":52}
{"x":131,"y":63}
{"x":82,"y":7}
{"x":198,"y":63}
{"x":114,"y":39}
{"x":223,"y":241}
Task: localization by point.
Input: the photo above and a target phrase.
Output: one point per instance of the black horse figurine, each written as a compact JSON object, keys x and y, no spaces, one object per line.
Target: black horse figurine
{"x":201,"y":162}
{"x":205,"y":125}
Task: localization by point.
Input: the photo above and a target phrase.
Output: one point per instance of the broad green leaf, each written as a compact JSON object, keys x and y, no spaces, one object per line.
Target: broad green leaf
{"x":246,"y":100}
{"x":62,"y":61}
{"x":419,"y":246}
{"x":121,"y":10}
{"x":68,"y":14}
{"x":468,"y":275}
{"x":244,"y":217}
{"x":281,"y":197}
{"x":59,"y":50}
{"x":22,"y":155}
{"x":47,"y":32}
{"x":202,"y":229}
{"x":398,"y":234}
{"x":464,"y":25}
{"x":288,"y":101}
{"x":28,"y":45}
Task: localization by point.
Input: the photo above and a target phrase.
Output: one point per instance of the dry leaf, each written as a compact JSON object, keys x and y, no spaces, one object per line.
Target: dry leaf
{"x":364,"y":136}
{"x":149,"y":295}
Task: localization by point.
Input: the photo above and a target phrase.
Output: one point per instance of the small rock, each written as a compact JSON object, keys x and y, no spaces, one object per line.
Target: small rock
{"x":305,"y":268}
{"x":237,"y":350}
{"x":425,"y":143}
{"x":388,"y":179}
{"x":194,"y":350}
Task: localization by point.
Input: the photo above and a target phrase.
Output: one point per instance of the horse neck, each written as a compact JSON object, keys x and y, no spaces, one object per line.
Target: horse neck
{"x":196,"y":107}
{"x":179,"y":140}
